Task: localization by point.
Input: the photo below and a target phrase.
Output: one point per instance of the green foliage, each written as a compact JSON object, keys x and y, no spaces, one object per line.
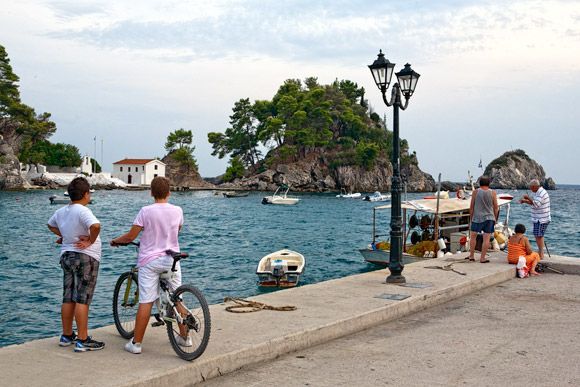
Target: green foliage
{"x":59,"y":154}
{"x":366,"y":154}
{"x":241,"y":139}
{"x":179,"y":139}
{"x":17,"y":120}
{"x":304,"y":118}
{"x":235,"y":170}
{"x":178,"y":144}
{"x":95,"y":166}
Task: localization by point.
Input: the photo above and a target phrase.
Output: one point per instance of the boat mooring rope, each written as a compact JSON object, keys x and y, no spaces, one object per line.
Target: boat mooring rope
{"x":247,"y":306}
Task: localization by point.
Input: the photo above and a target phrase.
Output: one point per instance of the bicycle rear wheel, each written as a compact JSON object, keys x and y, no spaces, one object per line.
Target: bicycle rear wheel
{"x":189,"y":339}
{"x":126,"y":303}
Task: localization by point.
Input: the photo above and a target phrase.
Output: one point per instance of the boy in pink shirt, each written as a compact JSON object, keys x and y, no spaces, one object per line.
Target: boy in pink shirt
{"x":160,"y":224}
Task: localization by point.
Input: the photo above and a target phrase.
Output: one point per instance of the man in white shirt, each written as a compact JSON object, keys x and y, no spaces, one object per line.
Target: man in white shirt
{"x":541,"y":218}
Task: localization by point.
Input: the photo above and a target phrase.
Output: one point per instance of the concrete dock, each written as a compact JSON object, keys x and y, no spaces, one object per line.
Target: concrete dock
{"x":326,"y":311}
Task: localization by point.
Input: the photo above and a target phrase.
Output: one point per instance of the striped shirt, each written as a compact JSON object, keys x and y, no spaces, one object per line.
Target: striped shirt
{"x":541,"y":206}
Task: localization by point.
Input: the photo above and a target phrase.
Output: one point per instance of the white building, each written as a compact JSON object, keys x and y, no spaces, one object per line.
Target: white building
{"x":138,"y":171}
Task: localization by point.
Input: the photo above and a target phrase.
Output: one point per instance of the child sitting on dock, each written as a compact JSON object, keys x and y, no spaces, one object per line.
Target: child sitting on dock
{"x":78,"y":230}
{"x":160,"y":223}
{"x":519,"y":245}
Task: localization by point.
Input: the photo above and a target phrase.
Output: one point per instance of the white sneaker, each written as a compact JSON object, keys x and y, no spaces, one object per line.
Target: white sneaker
{"x":183,"y":342}
{"x":133,"y":347}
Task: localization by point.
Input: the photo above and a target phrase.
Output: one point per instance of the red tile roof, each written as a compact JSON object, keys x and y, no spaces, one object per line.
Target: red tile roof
{"x":134,"y":161}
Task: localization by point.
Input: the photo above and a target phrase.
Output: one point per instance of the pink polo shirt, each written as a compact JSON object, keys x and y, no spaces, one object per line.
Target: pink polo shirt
{"x":160,"y":222}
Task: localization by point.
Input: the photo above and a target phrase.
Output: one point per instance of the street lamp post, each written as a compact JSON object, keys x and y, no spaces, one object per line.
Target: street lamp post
{"x":382,"y":71}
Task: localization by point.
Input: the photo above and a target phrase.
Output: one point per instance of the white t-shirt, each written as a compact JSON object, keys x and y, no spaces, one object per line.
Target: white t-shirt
{"x":73,"y":221}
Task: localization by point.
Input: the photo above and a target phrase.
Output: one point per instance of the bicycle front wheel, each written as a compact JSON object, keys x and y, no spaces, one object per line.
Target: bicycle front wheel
{"x":189,"y":339}
{"x":126,"y":303}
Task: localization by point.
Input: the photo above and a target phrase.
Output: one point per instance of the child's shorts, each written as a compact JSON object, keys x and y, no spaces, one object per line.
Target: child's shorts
{"x":149,"y":278}
{"x":80,"y":277}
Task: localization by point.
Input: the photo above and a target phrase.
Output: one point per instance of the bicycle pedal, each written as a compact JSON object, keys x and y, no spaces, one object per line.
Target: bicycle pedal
{"x":157,"y":323}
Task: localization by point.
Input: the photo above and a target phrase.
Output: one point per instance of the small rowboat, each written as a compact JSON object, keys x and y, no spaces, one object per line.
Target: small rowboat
{"x":235,"y":194}
{"x":281,"y":269}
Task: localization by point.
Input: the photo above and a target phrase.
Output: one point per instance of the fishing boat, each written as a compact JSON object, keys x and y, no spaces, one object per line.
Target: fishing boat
{"x":235,"y":194}
{"x":377,"y":197}
{"x":425,"y":221}
{"x":281,"y":269}
{"x":280,"y":198}
{"x":351,"y":195}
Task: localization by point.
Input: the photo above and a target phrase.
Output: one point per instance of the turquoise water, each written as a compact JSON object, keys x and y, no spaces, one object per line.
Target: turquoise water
{"x":225,"y":238}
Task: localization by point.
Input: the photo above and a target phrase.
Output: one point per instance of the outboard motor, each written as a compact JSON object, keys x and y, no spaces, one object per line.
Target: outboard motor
{"x":279,"y":268}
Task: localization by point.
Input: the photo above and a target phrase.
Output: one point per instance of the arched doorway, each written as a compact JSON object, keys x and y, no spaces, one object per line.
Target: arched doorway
{"x":129,"y":179}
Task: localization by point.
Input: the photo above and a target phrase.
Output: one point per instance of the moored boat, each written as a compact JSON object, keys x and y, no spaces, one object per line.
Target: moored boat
{"x":377,"y":197}
{"x":431,"y":220}
{"x":281,"y":268}
{"x":280,"y":198}
{"x":351,"y":195}
{"x":235,"y":194}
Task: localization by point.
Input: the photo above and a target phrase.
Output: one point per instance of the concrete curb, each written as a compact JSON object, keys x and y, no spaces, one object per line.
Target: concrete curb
{"x":206,"y":368}
{"x":566,"y":265}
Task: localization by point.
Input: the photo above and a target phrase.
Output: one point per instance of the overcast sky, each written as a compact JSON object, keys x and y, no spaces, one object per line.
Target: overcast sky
{"x":495,"y":75}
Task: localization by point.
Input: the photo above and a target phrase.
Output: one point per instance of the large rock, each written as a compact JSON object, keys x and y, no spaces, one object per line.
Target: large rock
{"x":10,"y":177}
{"x":182,"y":175}
{"x":514,"y":170}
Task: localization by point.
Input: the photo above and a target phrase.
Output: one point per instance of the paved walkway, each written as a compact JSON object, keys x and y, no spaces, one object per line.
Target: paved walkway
{"x":519,"y":333}
{"x":326,"y":311}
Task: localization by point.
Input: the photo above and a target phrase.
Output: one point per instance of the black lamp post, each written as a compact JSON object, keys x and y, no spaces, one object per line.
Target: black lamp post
{"x":382,"y":71}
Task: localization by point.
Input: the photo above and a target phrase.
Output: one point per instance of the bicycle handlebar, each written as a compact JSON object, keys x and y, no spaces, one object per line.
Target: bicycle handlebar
{"x":124,"y":244}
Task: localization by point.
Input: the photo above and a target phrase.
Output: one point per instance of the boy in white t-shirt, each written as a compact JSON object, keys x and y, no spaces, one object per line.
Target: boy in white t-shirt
{"x":78,"y":230}
{"x":160,"y":224}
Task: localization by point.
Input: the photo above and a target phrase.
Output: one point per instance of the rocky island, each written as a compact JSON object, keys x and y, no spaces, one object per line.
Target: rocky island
{"x":515,"y":169}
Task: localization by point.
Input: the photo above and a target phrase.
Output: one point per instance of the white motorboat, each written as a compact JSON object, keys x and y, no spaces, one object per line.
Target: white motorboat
{"x":351,"y":195}
{"x":54,"y":199}
{"x":377,"y":197}
{"x":280,"y":198}
{"x":281,"y":268}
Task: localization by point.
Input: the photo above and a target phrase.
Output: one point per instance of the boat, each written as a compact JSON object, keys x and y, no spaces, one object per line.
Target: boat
{"x":429,"y":221}
{"x":54,"y":199}
{"x":281,"y":269}
{"x":377,"y":197}
{"x":280,"y":198}
{"x":351,"y":195}
{"x":235,"y":194}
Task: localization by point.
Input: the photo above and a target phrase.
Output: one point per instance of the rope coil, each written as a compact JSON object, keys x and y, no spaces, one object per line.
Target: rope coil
{"x":253,"y":306}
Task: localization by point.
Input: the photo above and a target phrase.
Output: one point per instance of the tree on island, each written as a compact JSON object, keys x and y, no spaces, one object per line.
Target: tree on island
{"x":178,"y":146}
{"x":303,"y":119}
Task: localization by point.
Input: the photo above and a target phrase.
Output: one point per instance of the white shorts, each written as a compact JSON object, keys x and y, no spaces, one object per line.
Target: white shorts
{"x":149,"y":278}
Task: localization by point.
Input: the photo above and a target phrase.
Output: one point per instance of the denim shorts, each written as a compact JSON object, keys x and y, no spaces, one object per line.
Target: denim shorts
{"x":80,"y":277}
{"x":540,"y":228}
{"x":485,"y":226}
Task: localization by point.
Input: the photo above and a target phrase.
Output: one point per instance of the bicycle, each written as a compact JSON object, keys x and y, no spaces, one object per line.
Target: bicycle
{"x":184,"y":312}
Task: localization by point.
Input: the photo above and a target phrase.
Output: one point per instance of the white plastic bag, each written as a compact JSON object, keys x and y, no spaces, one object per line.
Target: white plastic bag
{"x":521,"y":268}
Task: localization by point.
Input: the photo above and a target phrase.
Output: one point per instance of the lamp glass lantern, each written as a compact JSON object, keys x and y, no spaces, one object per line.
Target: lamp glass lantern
{"x":382,"y":71}
{"x":407,"y":79}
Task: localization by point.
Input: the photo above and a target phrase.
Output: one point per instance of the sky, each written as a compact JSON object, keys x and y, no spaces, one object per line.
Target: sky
{"x":495,"y":75}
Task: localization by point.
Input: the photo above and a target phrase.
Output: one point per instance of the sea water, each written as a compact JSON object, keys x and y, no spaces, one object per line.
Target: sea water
{"x":225,"y":238}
